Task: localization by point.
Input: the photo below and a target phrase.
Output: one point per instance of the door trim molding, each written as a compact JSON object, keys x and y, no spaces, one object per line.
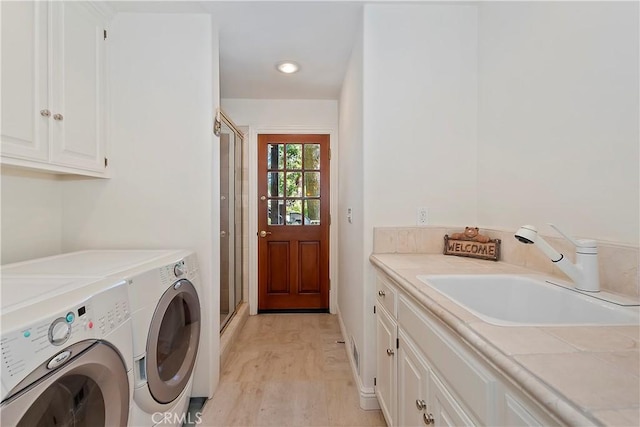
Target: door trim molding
{"x":252,"y":193}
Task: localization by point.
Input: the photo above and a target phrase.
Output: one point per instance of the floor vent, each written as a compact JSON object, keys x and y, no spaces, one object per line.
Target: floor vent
{"x":356,"y":356}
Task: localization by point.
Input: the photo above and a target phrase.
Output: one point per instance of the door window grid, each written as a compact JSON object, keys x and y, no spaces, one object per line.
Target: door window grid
{"x":293,"y":184}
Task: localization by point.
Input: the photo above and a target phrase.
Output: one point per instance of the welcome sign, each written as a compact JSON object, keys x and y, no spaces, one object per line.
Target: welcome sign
{"x":489,"y":250}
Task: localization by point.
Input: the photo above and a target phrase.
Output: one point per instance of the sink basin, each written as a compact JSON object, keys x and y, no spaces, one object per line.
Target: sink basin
{"x":514,"y":300}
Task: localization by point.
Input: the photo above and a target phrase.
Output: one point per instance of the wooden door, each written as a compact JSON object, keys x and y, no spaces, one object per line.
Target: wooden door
{"x":293,"y":222}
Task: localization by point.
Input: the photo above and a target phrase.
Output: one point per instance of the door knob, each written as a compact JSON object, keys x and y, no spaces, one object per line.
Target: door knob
{"x":421,"y":404}
{"x":223,"y":234}
{"x":264,"y":233}
{"x":58,"y":117}
{"x":45,"y":113}
{"x":263,"y":198}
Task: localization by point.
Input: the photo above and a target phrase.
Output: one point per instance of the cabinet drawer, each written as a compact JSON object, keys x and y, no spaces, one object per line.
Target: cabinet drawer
{"x":456,"y":366}
{"x":386,"y":295}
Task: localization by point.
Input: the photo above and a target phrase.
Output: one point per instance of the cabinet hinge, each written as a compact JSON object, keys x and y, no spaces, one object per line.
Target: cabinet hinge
{"x":374,"y":381}
{"x":329,"y":219}
{"x":106,"y":162}
{"x":374,"y":309}
{"x":397,"y":342}
{"x":329,"y":153}
{"x":329,"y":284}
{"x":105,"y":34}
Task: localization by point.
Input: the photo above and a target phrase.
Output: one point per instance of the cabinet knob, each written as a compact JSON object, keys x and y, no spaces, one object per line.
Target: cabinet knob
{"x":45,"y":113}
{"x":390,"y":352}
{"x":381,"y":293}
{"x":58,"y":117}
{"x":428,"y":418}
{"x":421,"y":404}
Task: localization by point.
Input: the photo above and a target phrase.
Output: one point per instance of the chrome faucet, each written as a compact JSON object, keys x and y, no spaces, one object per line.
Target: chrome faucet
{"x":584,"y":272}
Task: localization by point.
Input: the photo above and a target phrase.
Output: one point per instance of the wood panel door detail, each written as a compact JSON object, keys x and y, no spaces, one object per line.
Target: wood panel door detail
{"x":293,"y":222}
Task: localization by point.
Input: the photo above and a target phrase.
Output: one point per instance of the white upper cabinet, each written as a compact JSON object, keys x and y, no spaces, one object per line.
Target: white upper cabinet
{"x":53,"y":81}
{"x":25,"y":79}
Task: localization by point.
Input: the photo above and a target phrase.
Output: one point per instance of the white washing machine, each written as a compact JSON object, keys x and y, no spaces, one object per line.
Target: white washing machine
{"x":66,"y":349}
{"x":166,"y":320}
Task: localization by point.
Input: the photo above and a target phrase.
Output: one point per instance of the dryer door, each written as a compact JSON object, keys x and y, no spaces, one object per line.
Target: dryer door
{"x":91,"y":390}
{"x":173,"y":341}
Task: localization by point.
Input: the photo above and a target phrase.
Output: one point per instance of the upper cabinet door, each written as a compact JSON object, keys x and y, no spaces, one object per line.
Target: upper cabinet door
{"x":25,"y":110}
{"x":78,"y":100}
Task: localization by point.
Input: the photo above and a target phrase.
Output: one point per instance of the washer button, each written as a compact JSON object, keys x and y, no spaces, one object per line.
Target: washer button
{"x":70,"y":317}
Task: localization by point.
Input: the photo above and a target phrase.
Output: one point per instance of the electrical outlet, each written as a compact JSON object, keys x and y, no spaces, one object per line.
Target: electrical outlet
{"x":422,"y":217}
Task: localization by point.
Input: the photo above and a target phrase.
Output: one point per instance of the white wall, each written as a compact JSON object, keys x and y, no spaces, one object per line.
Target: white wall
{"x":420,"y":119}
{"x":31,"y":212}
{"x":351,"y":296}
{"x":558,"y":114}
{"x":163,"y":89}
{"x":420,"y":112}
{"x":282,"y":112}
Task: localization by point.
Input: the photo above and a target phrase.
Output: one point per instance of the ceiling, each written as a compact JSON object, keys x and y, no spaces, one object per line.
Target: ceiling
{"x":255,"y":35}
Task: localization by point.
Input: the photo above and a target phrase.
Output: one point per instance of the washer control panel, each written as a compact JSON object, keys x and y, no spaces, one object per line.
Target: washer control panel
{"x":36,"y":342}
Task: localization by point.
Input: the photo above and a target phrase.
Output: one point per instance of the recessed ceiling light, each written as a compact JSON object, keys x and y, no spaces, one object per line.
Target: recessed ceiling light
{"x":287,"y":67}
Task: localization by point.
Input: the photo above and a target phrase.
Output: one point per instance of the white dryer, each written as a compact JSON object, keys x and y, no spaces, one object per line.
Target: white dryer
{"x":167,"y":325}
{"x":88,"y":263}
{"x":66,"y":349}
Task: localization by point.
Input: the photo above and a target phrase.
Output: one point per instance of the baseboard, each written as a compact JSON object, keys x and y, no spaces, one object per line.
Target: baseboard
{"x":231,"y":331}
{"x":368,"y":399}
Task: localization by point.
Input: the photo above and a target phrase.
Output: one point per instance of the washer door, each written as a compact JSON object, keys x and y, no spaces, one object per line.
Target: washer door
{"x":91,"y":389}
{"x":173,"y":341}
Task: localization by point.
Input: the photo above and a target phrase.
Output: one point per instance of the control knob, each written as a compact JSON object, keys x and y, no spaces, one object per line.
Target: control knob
{"x":59,"y":331}
{"x":178,"y":270}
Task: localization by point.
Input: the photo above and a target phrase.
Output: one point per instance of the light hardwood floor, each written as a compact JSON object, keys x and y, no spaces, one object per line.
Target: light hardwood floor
{"x":288,"y":370}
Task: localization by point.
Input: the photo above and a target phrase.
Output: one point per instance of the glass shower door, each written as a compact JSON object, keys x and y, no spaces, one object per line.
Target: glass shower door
{"x":230,"y":220}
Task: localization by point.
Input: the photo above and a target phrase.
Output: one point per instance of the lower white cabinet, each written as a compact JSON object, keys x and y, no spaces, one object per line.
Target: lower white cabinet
{"x":413,"y":385}
{"x":426,"y":374}
{"x":386,"y":339}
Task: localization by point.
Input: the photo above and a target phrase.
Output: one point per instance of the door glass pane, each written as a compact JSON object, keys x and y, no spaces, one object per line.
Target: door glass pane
{"x":173,"y":338}
{"x":312,"y":156}
{"x":312,"y":212}
{"x":312,"y":184}
{"x":294,"y":212}
{"x":275,"y":184}
{"x":275,"y":156}
{"x":275,"y":212}
{"x":294,"y":156}
{"x":294,"y":184}
{"x":73,"y":400}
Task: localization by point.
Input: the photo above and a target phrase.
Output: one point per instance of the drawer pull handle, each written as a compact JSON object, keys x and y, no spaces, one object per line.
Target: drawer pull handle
{"x":428,"y":419}
{"x":381,"y":293}
{"x":421,"y":404}
{"x":390,"y":352}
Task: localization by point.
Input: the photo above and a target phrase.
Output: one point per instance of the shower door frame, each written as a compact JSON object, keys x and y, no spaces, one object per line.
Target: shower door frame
{"x":239,"y":138}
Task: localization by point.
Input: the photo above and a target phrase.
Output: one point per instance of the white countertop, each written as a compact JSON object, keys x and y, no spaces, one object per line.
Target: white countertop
{"x":584,"y":375}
